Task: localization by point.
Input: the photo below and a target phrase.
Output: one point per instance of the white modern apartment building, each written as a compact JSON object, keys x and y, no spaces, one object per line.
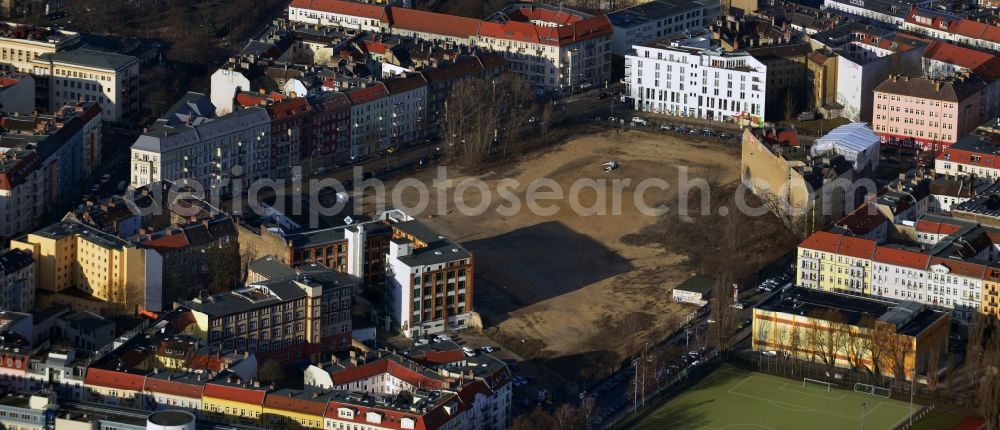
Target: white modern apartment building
{"x":189,"y":142}
{"x":670,"y":79}
{"x":659,"y":19}
{"x":17,"y":281}
{"x":112,"y":80}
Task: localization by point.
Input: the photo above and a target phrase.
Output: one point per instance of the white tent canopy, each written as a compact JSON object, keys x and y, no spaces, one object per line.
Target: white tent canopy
{"x":855,"y":141}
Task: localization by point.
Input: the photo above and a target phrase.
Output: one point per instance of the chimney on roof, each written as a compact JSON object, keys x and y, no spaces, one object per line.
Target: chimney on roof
{"x":937,"y":86}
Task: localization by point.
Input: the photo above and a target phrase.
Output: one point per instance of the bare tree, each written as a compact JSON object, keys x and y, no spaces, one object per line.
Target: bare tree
{"x":871,"y":343}
{"x":566,"y":417}
{"x":270,"y":372}
{"x":548,"y":116}
{"x":722,"y":312}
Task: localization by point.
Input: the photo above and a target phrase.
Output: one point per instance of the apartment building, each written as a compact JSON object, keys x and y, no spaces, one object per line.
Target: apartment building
{"x":949,"y":27}
{"x":290,"y":121}
{"x":21,"y":44}
{"x":943,"y":266}
{"x":554,"y":48}
{"x":429,"y":278}
{"x":701,"y":83}
{"x":885,"y":13}
{"x":330,"y":126}
{"x":190,"y":143}
{"x":866,"y":56}
{"x":660,"y":19}
{"x":17,"y":281}
{"x":991,"y":291}
{"x":292,"y":318}
{"x":43,"y":160}
{"x":801,"y":322}
{"x":973,"y":153}
{"x":408,"y":102}
{"x":928,"y":114}
{"x":84,"y":75}
{"x":371,"y":117}
{"x":944,"y":60}
{"x":93,"y":271}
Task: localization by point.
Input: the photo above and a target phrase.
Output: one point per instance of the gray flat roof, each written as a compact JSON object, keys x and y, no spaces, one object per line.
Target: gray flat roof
{"x":640,"y":14}
{"x":90,"y":58}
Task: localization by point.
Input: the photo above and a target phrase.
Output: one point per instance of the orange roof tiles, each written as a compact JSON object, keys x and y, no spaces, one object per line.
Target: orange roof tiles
{"x":112,"y":379}
{"x":368,"y":94}
{"x":862,"y":221}
{"x":937,"y":227}
{"x":960,"y":268}
{"x":174,"y":388}
{"x":435,"y":23}
{"x":250,"y":396}
{"x":857,"y":247}
{"x":286,"y":401}
{"x":901,"y":257}
{"x":822,"y":241}
{"x":986,"y":65}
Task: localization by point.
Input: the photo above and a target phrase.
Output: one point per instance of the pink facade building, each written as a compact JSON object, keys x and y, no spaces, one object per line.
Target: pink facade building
{"x":925,"y":113}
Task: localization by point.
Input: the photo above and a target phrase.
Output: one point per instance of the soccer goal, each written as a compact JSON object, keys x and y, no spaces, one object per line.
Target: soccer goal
{"x":872,"y":389}
{"x":806,"y":382}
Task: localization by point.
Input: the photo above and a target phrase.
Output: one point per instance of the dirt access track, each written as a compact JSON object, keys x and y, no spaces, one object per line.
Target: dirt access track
{"x":571,"y":285}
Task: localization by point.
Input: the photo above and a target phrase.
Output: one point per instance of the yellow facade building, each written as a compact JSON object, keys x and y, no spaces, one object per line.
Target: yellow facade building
{"x":21,"y":44}
{"x":92,"y":270}
{"x":835,"y":262}
{"x":229,"y":399}
{"x":883,"y":336}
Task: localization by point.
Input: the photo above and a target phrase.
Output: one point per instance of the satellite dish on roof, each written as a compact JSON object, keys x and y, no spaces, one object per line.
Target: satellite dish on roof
{"x":348,"y":220}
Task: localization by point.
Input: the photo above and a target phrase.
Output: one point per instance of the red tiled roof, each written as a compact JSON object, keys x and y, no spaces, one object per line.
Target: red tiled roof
{"x":978,"y":30}
{"x":175,"y":240}
{"x":287,"y":108}
{"x":863,"y":220}
{"x":901,"y":257}
{"x":174,"y":388}
{"x":378,"y":367}
{"x":6,"y":82}
{"x":250,"y":396}
{"x":937,"y":227}
{"x":340,"y":7}
{"x":822,"y":241}
{"x":112,"y":379}
{"x":857,"y":247}
{"x":435,"y":23}
{"x":432,"y":419}
{"x":987,"y":66}
{"x":961,"y":268}
{"x":296,"y":404}
{"x":367,"y":94}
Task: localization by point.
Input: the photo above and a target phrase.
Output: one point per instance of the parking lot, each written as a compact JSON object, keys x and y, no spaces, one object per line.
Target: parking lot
{"x":721,"y":131}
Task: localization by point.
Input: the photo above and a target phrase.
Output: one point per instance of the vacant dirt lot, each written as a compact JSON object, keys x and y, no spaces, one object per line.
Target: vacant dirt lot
{"x":589,"y":288}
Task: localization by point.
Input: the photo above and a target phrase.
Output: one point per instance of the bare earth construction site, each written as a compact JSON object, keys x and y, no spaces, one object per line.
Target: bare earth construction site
{"x":591,"y":289}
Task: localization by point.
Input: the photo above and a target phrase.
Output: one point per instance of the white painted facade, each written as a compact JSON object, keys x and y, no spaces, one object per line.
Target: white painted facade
{"x":695,"y":82}
{"x":207,"y":152}
{"x":899,"y":282}
{"x":961,"y":294}
{"x":314,"y":16}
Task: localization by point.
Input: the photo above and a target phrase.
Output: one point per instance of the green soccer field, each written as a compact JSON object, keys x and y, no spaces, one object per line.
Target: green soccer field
{"x":735,"y":399}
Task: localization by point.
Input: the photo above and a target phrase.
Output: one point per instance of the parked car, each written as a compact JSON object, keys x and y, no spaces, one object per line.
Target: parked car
{"x":738,"y":305}
{"x":441,"y":338}
{"x":94,"y":188}
{"x":666,"y":127}
{"x":469,"y":352}
{"x":639,"y":121}
{"x":488,"y":349}
{"x":105,"y":178}
{"x":421,"y":342}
